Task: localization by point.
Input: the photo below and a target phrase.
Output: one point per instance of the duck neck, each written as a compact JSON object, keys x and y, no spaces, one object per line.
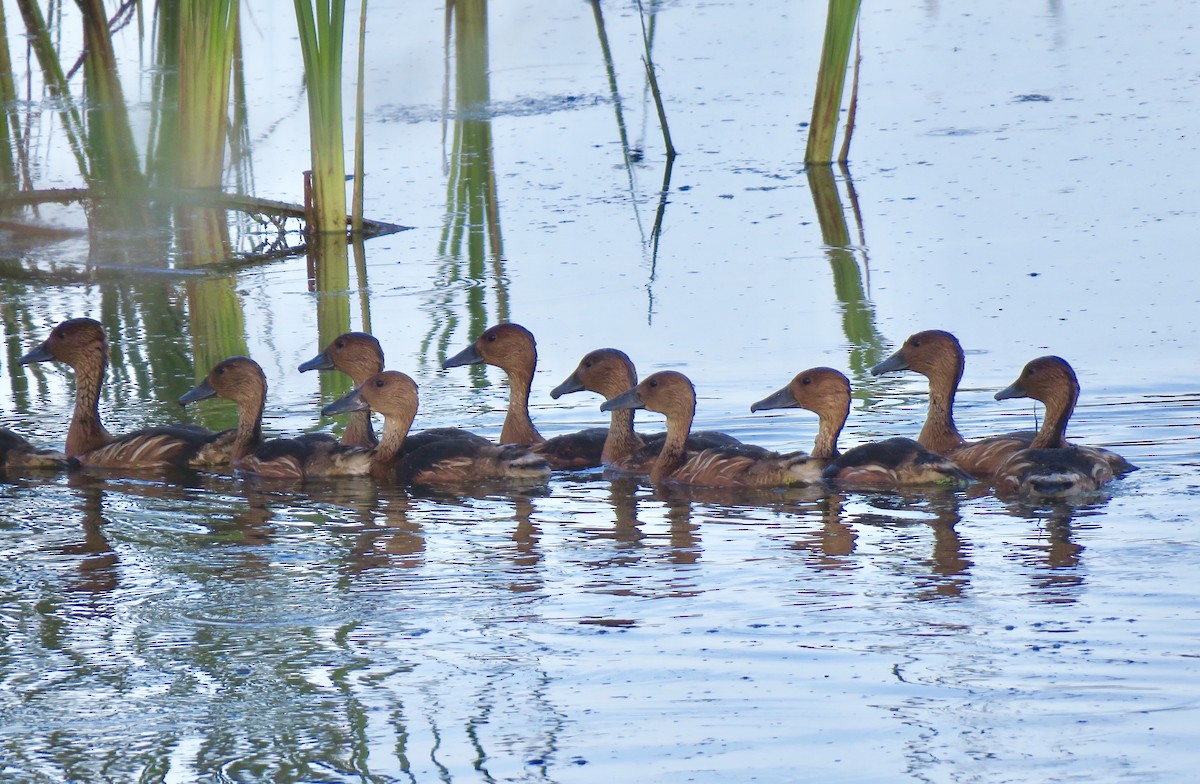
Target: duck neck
{"x":830,"y":427}
{"x":939,"y":433}
{"x":87,"y":432}
{"x":674,"y":450}
{"x":518,"y":427}
{"x":395,"y":430}
{"x":359,"y":431}
{"x":249,"y":430}
{"x":1053,"y":432}
{"x":621,"y":441}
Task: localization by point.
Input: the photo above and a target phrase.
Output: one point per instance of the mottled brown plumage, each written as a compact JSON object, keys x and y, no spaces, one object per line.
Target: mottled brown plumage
{"x":892,"y":462}
{"x":436,"y":461}
{"x":359,"y":356}
{"x":17,"y":455}
{"x":82,"y":345}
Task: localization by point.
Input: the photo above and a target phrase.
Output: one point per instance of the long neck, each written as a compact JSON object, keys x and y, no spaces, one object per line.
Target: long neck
{"x":1053,"y":432}
{"x":518,"y":427}
{"x":621,"y":441}
{"x":87,"y":431}
{"x":939,"y":433}
{"x":395,"y":430}
{"x":359,"y":431}
{"x":674,"y":450}
{"x":249,"y":429}
{"x":830,"y":427}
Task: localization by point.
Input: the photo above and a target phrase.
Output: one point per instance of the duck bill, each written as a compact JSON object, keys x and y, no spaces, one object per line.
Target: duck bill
{"x":319,"y":362}
{"x":1013,"y":390}
{"x":627,"y":399}
{"x":345,"y":404}
{"x":572,"y":384}
{"x":39,"y":354}
{"x":781,"y":399}
{"x":468,"y":356}
{"x":891,"y":364}
{"x":202,"y":391}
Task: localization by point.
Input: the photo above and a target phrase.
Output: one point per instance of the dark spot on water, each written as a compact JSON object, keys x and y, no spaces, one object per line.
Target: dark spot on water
{"x":1033,"y":98}
{"x":1034,"y":274}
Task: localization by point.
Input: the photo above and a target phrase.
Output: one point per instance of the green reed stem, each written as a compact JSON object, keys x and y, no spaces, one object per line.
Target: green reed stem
{"x":321,"y":31}
{"x":10,"y":128}
{"x":831,"y":79}
{"x":356,"y":208}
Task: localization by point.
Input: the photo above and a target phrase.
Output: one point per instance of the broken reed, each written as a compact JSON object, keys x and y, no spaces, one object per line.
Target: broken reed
{"x":831,"y":79}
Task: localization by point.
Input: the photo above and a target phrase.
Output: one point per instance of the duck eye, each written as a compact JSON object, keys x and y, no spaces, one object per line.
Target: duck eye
{"x":806,"y":380}
{"x":340,"y":344}
{"x":587,"y":364}
{"x":379,"y":382}
{"x":654,"y":383}
{"x":916,"y":344}
{"x":491,"y":338}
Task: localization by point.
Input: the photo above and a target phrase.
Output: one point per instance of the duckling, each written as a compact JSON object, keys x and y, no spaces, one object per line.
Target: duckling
{"x":360,"y":356}
{"x":241,"y":380}
{"x":892,"y":462}
{"x":442,"y":461}
{"x":609,"y":372}
{"x":82,"y":345}
{"x":512,"y":348}
{"x":1050,"y":467}
{"x":741,"y":465}
{"x":18,"y":455}
{"x":938,"y":356}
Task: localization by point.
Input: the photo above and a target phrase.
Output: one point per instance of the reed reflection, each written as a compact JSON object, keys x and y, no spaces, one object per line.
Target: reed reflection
{"x":471,"y":248}
{"x":868,"y":346}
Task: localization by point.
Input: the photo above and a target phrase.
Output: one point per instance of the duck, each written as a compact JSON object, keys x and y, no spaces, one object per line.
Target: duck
{"x":892,"y":462}
{"x":360,"y":356}
{"x":82,"y":345}
{"x":609,"y":372}
{"x":512,"y":348}
{"x":443,"y":461}
{"x":1050,"y":467}
{"x":672,"y":394}
{"x":242,"y":380}
{"x":18,"y":455}
{"x":937,"y":355}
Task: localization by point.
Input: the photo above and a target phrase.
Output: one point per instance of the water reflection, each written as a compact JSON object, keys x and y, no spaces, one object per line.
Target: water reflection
{"x":472,"y":223}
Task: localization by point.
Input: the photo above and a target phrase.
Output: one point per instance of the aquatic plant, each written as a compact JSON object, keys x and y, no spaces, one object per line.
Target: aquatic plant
{"x":321,"y":28}
{"x":831,"y":79}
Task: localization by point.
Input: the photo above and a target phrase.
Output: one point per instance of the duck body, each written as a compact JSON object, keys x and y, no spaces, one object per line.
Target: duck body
{"x":892,"y":462}
{"x":18,"y":455}
{"x":241,"y":379}
{"x":1050,"y":467}
{"x":737,"y":466}
{"x":609,"y":372}
{"x":433,"y":460}
{"x":82,"y":345}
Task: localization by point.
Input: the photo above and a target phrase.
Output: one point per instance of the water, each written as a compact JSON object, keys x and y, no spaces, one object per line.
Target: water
{"x":210,"y":629}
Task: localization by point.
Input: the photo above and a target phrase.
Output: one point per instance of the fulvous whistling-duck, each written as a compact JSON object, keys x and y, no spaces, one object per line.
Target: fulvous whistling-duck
{"x":17,"y":454}
{"x":512,"y":348}
{"x":609,"y":372}
{"x":938,"y":356}
{"x":440,"y":461}
{"x":242,"y":380}
{"x":671,"y":393}
{"x":360,"y":356}
{"x":82,"y":345}
{"x":1050,"y":467}
{"x":888,"y":463}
